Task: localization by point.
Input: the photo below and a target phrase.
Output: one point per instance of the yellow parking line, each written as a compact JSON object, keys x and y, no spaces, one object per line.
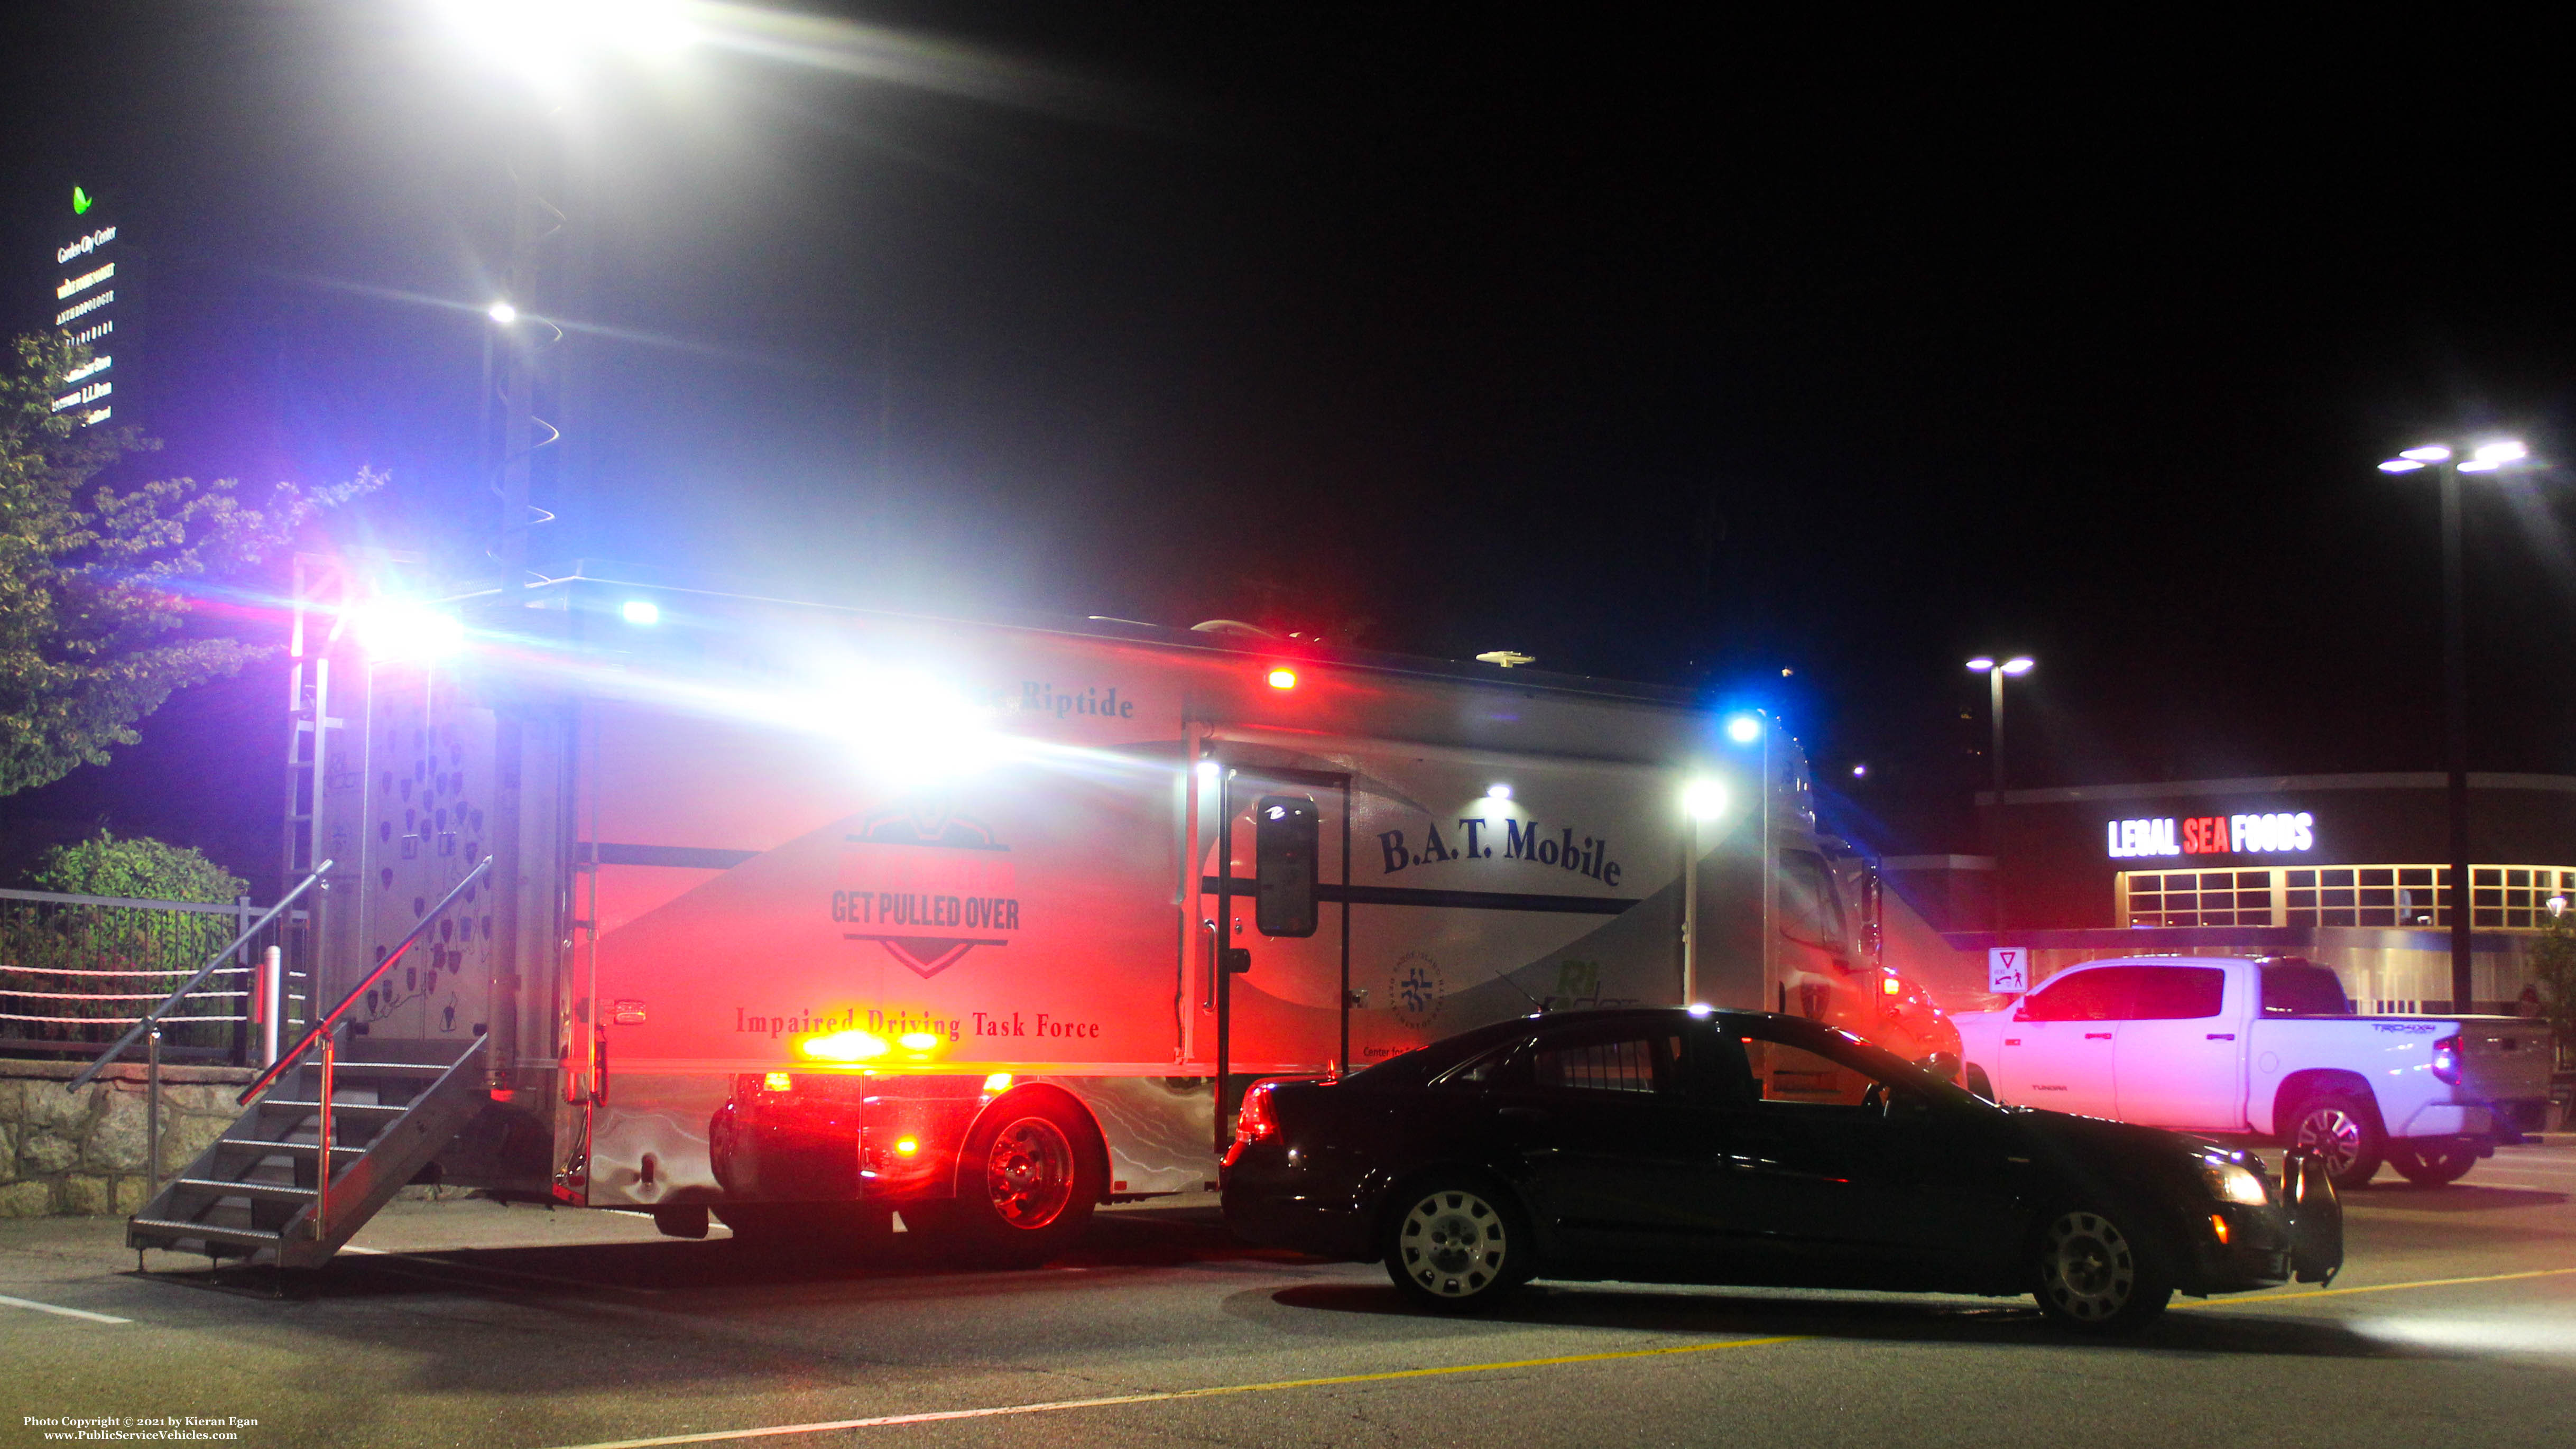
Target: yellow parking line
{"x":1114,"y":1400}
{"x":2383,"y":1288}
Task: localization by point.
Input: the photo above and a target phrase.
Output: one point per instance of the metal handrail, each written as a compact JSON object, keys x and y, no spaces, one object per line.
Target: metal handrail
{"x":323,"y":1024}
{"x":151,"y":1020}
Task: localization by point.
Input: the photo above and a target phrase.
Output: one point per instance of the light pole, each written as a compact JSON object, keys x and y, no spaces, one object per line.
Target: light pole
{"x":2485,"y":458}
{"x":2018,"y":665}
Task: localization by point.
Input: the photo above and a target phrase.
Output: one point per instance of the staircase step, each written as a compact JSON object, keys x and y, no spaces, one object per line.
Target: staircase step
{"x":203,"y":1232}
{"x":259,"y":1148}
{"x":380,"y":1109}
{"x":269,"y":1191}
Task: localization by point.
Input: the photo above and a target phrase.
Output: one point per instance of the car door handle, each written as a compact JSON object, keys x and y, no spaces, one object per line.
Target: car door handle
{"x":1521,"y":1114}
{"x":2222,"y":1036}
{"x":2097,"y":1036}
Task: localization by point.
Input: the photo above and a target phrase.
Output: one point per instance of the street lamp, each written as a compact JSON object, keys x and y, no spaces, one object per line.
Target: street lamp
{"x":2485,"y":457}
{"x":1994,"y":670}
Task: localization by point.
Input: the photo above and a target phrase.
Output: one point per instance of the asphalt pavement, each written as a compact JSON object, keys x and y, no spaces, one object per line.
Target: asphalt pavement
{"x":467,"y":1323}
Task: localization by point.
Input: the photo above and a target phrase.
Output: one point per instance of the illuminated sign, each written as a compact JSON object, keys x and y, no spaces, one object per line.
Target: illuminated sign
{"x":2266,"y":834}
{"x":91,"y":290}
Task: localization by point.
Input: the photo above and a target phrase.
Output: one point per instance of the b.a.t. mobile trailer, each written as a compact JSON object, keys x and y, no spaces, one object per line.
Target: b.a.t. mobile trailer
{"x":801,"y":913}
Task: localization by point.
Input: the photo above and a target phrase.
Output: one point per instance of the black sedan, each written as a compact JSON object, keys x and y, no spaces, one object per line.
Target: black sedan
{"x":1690,"y":1146}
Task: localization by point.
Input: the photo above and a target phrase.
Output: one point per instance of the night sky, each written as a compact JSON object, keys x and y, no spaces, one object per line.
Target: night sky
{"x":1664,"y":345}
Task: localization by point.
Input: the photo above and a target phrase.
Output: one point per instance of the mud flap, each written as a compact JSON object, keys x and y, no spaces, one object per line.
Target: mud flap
{"x":2315,"y":1216}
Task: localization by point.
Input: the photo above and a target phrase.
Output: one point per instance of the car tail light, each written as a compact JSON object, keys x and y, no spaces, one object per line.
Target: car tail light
{"x":1255,"y":1121}
{"x":2446,"y":1059}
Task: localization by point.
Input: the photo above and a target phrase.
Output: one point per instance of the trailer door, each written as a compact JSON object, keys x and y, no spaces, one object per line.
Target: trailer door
{"x":1277,"y":895}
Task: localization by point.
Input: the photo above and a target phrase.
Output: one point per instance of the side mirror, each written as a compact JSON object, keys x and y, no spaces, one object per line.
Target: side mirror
{"x":2022,"y":1012}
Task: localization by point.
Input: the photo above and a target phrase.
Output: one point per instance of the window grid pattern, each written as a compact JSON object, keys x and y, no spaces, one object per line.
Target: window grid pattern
{"x":2504,"y":897}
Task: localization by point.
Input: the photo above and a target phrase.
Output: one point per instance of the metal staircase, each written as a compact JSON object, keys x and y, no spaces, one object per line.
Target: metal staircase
{"x":322,"y":1144}
{"x":264,"y":1190}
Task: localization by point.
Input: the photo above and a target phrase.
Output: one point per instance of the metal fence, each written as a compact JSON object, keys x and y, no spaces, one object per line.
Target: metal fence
{"x":77,"y":971}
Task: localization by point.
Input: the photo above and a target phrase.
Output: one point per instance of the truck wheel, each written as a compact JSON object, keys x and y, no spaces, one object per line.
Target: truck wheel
{"x":1026,"y":1185}
{"x":2099,"y":1273}
{"x":1457,"y":1245}
{"x":1978,"y":1082}
{"x":2341,"y":1126}
{"x":2434,"y":1163}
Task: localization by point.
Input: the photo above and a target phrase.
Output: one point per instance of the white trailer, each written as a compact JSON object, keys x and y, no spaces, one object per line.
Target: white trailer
{"x":800,"y":910}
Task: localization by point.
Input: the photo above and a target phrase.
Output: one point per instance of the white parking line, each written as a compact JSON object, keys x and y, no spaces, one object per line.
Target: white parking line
{"x":80,"y":1313}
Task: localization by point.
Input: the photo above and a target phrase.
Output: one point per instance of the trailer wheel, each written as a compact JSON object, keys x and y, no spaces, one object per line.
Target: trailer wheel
{"x":1026,"y":1184}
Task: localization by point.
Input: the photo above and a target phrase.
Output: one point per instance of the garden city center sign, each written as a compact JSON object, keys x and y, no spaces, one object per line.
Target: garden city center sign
{"x":2268,"y":834}
{"x":91,"y":294}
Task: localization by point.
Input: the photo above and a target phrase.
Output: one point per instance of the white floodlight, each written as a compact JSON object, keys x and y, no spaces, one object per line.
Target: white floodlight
{"x":2479,"y":465}
{"x":2400,"y":465}
{"x":1704,"y":799}
{"x":2433,"y":453}
{"x":642,"y":612}
{"x":398,"y":631}
{"x":2506,"y":451}
{"x":1498,"y":791}
{"x":1981,"y":664}
{"x":1744,"y":729}
{"x":502,"y":312}
{"x":2019,"y":664}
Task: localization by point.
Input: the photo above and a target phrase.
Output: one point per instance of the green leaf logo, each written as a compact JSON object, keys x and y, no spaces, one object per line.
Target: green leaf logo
{"x":81,"y":202}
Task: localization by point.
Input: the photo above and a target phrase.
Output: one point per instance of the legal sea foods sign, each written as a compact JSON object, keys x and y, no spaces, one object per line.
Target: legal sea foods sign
{"x":2274,"y":833}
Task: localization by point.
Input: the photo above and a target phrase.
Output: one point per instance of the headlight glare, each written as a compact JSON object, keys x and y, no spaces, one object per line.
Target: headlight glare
{"x":2231,"y":1182}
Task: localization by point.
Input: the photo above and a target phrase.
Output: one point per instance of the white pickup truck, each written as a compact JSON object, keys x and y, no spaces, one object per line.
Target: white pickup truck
{"x":2267,"y":1048}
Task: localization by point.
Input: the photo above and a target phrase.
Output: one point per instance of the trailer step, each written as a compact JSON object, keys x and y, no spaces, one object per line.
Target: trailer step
{"x":210,"y":1233}
{"x":361,"y":1109}
{"x":259,"y":1148}
{"x":265,"y":1191}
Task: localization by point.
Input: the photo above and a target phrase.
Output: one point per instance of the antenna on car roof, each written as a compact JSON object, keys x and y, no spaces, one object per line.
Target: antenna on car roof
{"x":1534,"y":1002}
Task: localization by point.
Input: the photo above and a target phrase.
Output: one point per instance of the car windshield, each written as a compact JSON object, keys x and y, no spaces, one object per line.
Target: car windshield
{"x":2302,"y":988}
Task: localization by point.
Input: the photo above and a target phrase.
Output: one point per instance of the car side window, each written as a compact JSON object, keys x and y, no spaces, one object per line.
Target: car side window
{"x":2177,"y":993}
{"x":2102,"y":994}
{"x":1495,"y":1066}
{"x":1642,"y":1062}
{"x":1795,"y":1075}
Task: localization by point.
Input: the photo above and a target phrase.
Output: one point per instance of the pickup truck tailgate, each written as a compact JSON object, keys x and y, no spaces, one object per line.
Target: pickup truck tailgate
{"x":2503,"y":1060}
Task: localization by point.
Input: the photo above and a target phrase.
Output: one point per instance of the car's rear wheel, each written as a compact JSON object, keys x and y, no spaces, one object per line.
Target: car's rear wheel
{"x":1457,"y":1245}
{"x":2341,"y":1127}
{"x":1027,"y":1181}
{"x":2432,"y":1164}
{"x":2099,"y":1272}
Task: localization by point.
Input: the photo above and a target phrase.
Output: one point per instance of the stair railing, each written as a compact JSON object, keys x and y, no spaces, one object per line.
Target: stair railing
{"x":148,"y":1029}
{"x":325,"y":1024}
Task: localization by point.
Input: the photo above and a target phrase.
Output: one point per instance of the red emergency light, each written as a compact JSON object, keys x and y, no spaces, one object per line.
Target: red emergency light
{"x":1282,"y":677}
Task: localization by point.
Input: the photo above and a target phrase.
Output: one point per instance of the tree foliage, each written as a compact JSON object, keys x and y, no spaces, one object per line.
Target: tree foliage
{"x":82,"y":971}
{"x":2553,"y":962}
{"x":92,"y":577}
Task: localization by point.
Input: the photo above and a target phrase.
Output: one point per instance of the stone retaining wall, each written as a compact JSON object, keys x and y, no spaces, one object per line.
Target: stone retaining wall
{"x":83,"y":1152}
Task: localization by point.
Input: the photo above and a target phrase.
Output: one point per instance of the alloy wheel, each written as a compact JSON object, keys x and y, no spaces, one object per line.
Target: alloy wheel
{"x":2334,"y":1134}
{"x":1454,"y":1244}
{"x":2088,"y":1269}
